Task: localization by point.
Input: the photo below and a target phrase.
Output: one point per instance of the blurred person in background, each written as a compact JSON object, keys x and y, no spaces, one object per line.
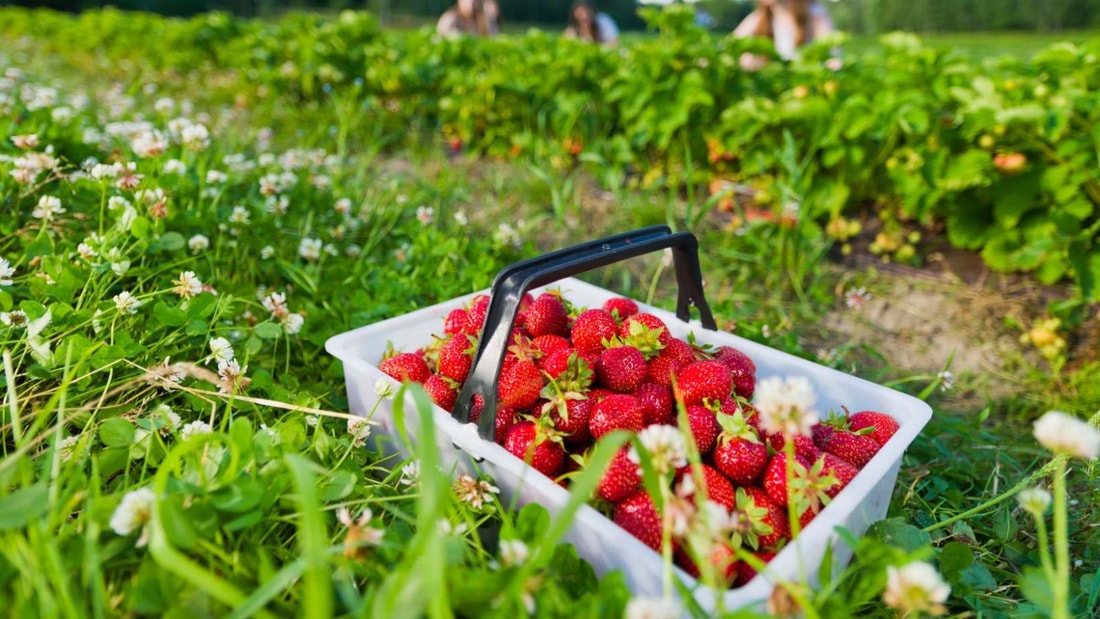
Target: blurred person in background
{"x":588,"y":24}
{"x":790,"y":24}
{"x":470,"y":17}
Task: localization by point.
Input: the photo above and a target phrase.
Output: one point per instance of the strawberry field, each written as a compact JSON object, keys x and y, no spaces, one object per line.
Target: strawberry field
{"x":190,"y":209}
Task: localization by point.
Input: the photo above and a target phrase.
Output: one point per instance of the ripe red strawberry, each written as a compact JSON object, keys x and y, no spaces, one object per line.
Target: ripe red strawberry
{"x":702,"y":381}
{"x":621,"y":369}
{"x":840,"y":469}
{"x":645,"y":332}
{"x":773,"y":527}
{"x":520,"y":385}
{"x":456,"y":356}
{"x":530,"y":443}
{"x":663,"y":367}
{"x":803,"y":446}
{"x":722,"y":559}
{"x":742,"y":370}
{"x":657,"y":401}
{"x":775,"y":476}
{"x":704,"y":428}
{"x":597,"y":394}
{"x":621,"y":308}
{"x":573,"y":422}
{"x":637,"y":514}
{"x":820,"y":431}
{"x":569,"y":371}
{"x":746,"y":572}
{"x":406,"y":367}
{"x":857,"y":449}
{"x":884,"y":425}
{"x":549,"y":344}
{"x":617,"y":411}
{"x":592,"y":328}
{"x":479,"y":306}
{"x":546,"y":316}
{"x":442,"y":390}
{"x":458,"y":321}
{"x":623,"y":476}
{"x":681,"y":350}
{"x":719,"y":488}
{"x":740,"y":453}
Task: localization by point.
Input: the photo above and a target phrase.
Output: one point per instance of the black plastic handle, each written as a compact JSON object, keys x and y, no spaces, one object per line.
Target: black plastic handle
{"x":512,"y":283}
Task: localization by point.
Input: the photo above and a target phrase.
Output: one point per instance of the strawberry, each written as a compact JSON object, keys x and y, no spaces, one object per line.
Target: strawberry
{"x":773,"y":526}
{"x":719,"y":488}
{"x":681,"y":350}
{"x":406,"y":367}
{"x":746,"y":572}
{"x":546,"y":316}
{"x":637,"y":514}
{"x":621,"y":369}
{"x":749,"y":521}
{"x":742,"y":370}
{"x":857,"y":449}
{"x":775,"y":476}
{"x":520,"y":385}
{"x":884,"y":425}
{"x":657,"y":401}
{"x":549,"y":344}
{"x":645,"y":332}
{"x":617,"y":411}
{"x":803,"y":446}
{"x":457,"y":321}
{"x":479,"y":306}
{"x":704,"y":428}
{"x":702,"y":381}
{"x":456,"y":356}
{"x":529,"y":442}
{"x":621,"y":308}
{"x":739,"y":454}
{"x":623,"y":476}
{"x":840,"y":469}
{"x":592,"y":328}
{"x":820,"y":431}
{"x":722,"y":558}
{"x":569,"y":414}
{"x":663,"y":367}
{"x":568,"y":370}
{"x":442,"y":390}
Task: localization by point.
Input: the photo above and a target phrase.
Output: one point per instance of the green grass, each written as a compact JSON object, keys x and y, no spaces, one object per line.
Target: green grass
{"x":1021,"y":45}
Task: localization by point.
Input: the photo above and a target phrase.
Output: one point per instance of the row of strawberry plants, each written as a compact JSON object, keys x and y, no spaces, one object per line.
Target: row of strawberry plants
{"x":999,"y":156}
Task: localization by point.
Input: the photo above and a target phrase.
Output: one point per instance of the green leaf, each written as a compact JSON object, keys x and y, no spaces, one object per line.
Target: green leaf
{"x":22,"y":506}
{"x":337,"y":486}
{"x":240,"y":496}
{"x":169,"y":241}
{"x":177,"y":522}
{"x":1036,"y":588}
{"x":954,"y":558}
{"x":141,"y":228}
{"x":197,"y":327}
{"x":268,"y":330}
{"x":169,"y":316}
{"x":201,"y":306}
{"x":896,"y":532}
{"x":533,"y":520}
{"x":967,"y":170}
{"x":116,"y":432}
{"x":1086,"y":269}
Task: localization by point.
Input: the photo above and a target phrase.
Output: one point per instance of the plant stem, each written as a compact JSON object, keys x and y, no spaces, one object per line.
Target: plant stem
{"x":1061,"y":543}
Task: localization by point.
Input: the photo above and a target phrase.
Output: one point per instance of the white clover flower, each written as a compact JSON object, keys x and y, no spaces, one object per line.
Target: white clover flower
{"x":216,"y":177}
{"x":786,"y":406}
{"x":1034,"y":500}
{"x":188,"y":285}
{"x":7,"y":271}
{"x":446,"y":528}
{"x":331,"y":250}
{"x":48,"y":207}
{"x":195,"y":428}
{"x":149,"y":144}
{"x":353,"y":251}
{"x":267,"y":252}
{"x":462,"y":219}
{"x":171,"y":417}
{"x":133,"y":513}
{"x":410,"y":473}
{"x":713,"y":521}
{"x":103,"y":171}
{"x":513,"y":552}
{"x":195,"y":137}
{"x":505,"y":234}
{"x":359,"y":429}
{"x":175,"y":166}
{"x":118,"y":202}
{"x":198,"y":243}
{"x":233,"y":378}
{"x":947,"y":380}
{"x":292,"y":323}
{"x":665,"y":446}
{"x":221,"y":349}
{"x":384,"y":388}
{"x":164,"y":105}
{"x":239,"y":216}
{"x":653,"y":608}
{"x":1065,"y":434}
{"x":69,"y":447}
{"x":358,"y":531}
{"x":310,"y":249}
{"x":15,"y":319}
{"x":476,"y":493}
{"x":342,"y":206}
{"x":275,"y":303}
{"x":915,"y":588}
{"x":425,"y":214}
{"x":126,"y":303}
{"x":857,"y":298}
{"x":26,"y":141}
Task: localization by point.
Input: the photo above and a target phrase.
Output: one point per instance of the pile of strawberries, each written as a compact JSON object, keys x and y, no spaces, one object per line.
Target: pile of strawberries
{"x":573,"y":375}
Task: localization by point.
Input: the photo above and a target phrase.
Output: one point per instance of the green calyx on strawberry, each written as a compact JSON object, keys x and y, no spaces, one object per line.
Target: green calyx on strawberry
{"x":567,"y":410}
{"x":810,"y":490}
{"x":749,"y":521}
{"x":701,"y":351}
{"x":648,"y":339}
{"x":577,"y":376}
{"x":523,"y":349}
{"x":739,"y":454}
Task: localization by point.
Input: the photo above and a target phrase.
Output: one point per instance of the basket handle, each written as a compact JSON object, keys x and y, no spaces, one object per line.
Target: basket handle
{"x":514,"y":281}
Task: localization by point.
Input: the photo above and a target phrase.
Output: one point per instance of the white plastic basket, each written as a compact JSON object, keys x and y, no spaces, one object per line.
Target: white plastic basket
{"x":601,"y":542}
